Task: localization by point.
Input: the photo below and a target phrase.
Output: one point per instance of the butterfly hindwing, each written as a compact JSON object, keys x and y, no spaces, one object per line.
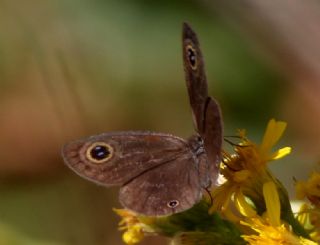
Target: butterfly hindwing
{"x":212,"y":137}
{"x":170,"y":188}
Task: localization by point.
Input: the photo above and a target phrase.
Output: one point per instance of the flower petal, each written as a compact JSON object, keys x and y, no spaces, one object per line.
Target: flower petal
{"x":243,"y":206}
{"x":280,"y":153}
{"x":273,"y":133}
{"x":272,"y":200}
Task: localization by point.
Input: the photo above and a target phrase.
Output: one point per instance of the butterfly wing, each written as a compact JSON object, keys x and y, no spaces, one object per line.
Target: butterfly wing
{"x":195,"y":75}
{"x":212,"y":137}
{"x":169,"y":188}
{"x":116,"y":158}
{"x":205,"y":110}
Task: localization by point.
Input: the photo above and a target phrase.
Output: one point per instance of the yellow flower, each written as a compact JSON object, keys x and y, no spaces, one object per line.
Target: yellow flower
{"x":310,"y":189}
{"x":245,"y":172}
{"x":269,"y":229}
{"x":133,"y":235}
{"x":134,"y":228}
{"x":309,"y":218}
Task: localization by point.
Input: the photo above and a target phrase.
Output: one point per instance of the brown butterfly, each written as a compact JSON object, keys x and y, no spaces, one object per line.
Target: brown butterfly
{"x":158,"y":174}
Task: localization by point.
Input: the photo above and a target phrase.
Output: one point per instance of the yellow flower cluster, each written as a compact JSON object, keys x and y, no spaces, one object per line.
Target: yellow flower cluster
{"x":245,"y":173}
{"x":309,"y":214}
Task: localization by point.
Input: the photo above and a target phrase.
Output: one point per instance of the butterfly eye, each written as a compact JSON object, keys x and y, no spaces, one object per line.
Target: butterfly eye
{"x":199,"y":139}
{"x":192,"y":57}
{"x":99,"y":152}
{"x":173,"y":203}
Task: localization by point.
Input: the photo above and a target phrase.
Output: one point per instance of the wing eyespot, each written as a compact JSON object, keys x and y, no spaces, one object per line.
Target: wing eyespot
{"x":99,"y":152}
{"x":191,"y":56}
{"x":173,"y":203}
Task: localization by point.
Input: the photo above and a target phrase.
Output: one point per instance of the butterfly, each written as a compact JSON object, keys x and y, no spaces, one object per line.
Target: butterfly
{"x":158,"y":174}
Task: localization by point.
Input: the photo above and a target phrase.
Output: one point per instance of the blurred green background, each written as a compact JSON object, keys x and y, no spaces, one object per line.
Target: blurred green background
{"x":69,"y":69}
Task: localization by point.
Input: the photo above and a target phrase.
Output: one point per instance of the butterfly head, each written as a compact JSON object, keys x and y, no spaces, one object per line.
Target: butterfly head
{"x":196,"y":144}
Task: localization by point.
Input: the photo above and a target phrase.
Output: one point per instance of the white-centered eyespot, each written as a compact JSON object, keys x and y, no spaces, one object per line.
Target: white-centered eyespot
{"x":99,"y":152}
{"x":173,"y":203}
{"x":191,"y":56}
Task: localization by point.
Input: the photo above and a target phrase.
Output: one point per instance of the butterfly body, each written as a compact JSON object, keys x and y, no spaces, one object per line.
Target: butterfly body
{"x":158,"y":173}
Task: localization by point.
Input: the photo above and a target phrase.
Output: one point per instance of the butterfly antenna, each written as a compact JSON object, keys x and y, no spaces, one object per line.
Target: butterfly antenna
{"x":233,"y":136}
{"x":232,"y":143}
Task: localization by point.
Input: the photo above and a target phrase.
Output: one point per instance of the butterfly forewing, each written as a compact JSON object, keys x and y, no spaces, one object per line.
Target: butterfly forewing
{"x":195,"y":75}
{"x":129,"y":155}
